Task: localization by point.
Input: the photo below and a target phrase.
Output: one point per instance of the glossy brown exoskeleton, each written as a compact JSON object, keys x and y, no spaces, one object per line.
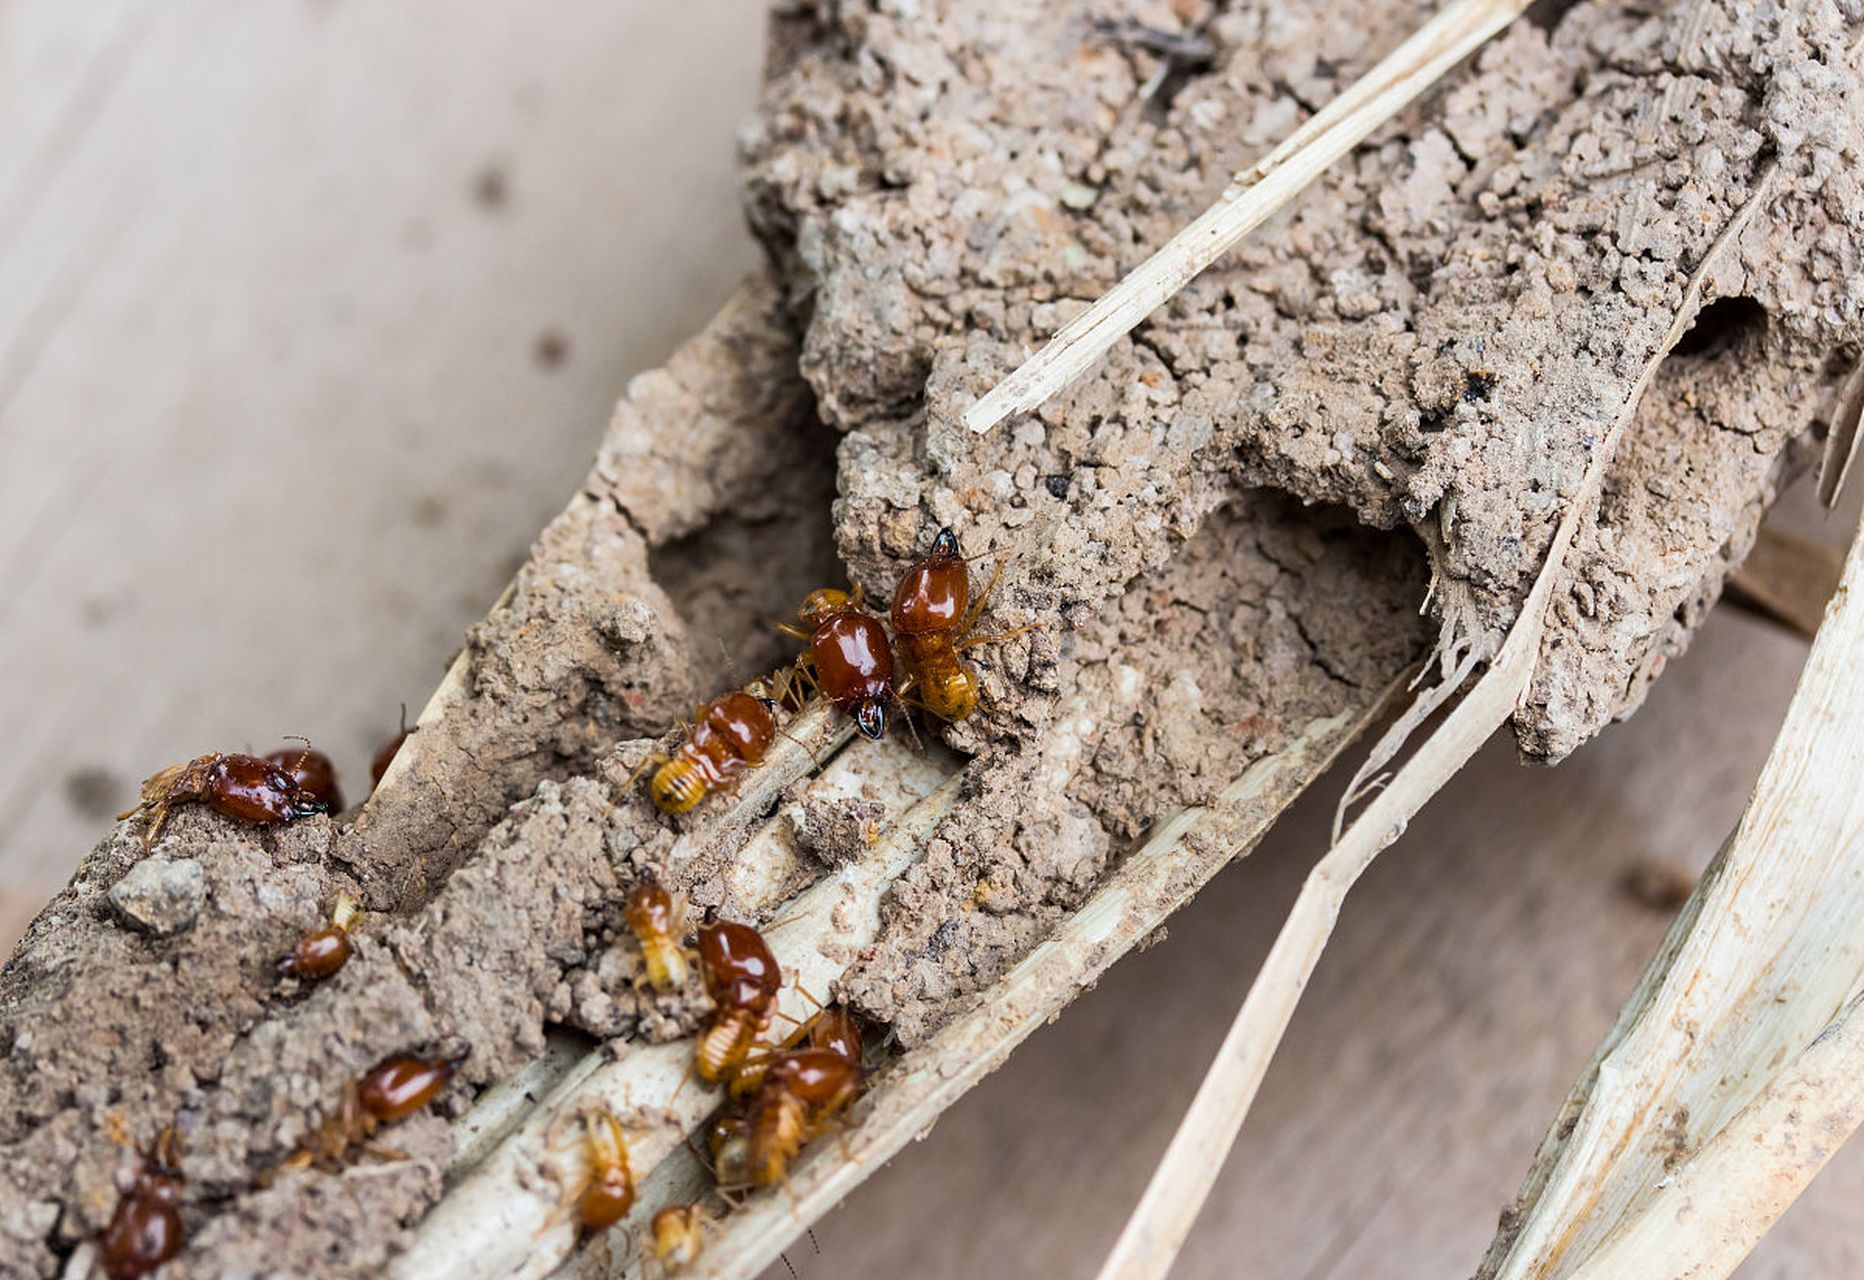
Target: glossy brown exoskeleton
{"x":393,"y":1089}
{"x":248,"y":788}
{"x":385,"y":754}
{"x":850,"y":659}
{"x":833,"y":1028}
{"x":742,"y":978}
{"x":655,"y":920}
{"x":321,"y":952}
{"x":730,"y":734}
{"x":932,"y":622}
{"x":146,"y":1229}
{"x":728,"y":1137}
{"x":803,"y":1091}
{"x":313,"y":772}
{"x":609,"y":1192}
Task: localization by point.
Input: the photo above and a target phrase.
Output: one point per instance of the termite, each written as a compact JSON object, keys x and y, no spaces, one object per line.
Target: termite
{"x":652,"y":915}
{"x":311,"y":770}
{"x":146,"y":1229}
{"x":394,"y":1089}
{"x":832,"y":1028}
{"x":677,"y":1236}
{"x":803,"y":1091}
{"x":742,"y":978}
{"x":321,"y":952}
{"x":609,"y":1193}
{"x":385,"y":754}
{"x":932,"y":618}
{"x":730,"y":734}
{"x":849,"y":658}
{"x":728,"y":1138}
{"x":244,"y":787}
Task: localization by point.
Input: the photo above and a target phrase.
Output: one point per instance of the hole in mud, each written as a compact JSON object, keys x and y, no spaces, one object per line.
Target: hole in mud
{"x":747,"y":570}
{"x":1721,"y":326}
{"x":1547,"y":14}
{"x":1182,"y":57}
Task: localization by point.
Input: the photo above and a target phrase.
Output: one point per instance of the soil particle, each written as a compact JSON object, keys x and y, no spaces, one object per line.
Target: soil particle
{"x":836,"y":829}
{"x":160,"y":896}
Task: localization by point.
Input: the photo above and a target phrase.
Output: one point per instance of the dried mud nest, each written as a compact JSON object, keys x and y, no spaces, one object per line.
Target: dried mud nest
{"x":1223,"y":533}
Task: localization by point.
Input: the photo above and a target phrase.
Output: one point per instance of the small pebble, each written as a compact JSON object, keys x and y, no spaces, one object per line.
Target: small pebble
{"x":161,"y":896}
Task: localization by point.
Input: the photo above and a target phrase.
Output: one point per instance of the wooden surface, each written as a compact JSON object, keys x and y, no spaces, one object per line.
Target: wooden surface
{"x":275,"y":425}
{"x":279,"y":410}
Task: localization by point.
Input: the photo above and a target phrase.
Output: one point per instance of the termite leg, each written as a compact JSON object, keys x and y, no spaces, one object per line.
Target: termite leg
{"x":974,"y":641}
{"x":976,"y":610}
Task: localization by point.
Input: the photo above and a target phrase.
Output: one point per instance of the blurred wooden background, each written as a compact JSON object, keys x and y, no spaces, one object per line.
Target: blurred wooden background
{"x":311,"y":314}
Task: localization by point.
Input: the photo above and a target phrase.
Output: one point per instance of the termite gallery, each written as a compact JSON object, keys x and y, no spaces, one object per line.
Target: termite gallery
{"x":394,"y":1089}
{"x":849,"y":659}
{"x":146,"y":1229}
{"x":321,"y":952}
{"x":729,"y":735}
{"x":655,"y":920}
{"x":247,"y":788}
{"x":742,"y":978}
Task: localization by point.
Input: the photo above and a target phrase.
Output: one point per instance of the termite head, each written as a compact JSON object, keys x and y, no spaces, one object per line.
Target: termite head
{"x":871,"y":719}
{"x":677,"y":1233}
{"x":824,"y":602}
{"x":945,"y":545}
{"x":609,"y":1193}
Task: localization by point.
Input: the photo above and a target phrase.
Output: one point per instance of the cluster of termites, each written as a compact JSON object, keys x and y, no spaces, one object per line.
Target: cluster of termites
{"x":782,"y":1095}
{"x":146,"y":1228}
{"x":861,"y":665}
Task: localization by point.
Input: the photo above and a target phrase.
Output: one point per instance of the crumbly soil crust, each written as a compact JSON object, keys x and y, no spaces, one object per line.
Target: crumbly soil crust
{"x":1225,"y":530}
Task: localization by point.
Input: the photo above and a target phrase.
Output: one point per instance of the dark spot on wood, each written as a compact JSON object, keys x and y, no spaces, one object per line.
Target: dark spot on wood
{"x":95,"y":792}
{"x":551,"y":349}
{"x":491,"y":188}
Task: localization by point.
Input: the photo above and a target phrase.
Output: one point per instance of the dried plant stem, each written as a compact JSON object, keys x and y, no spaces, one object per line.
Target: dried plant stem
{"x":1182,"y":1181}
{"x":1761,"y":969}
{"x":1249,"y":201}
{"x":506,"y":1219}
{"x":1709,"y":1214}
{"x":1178,"y":859}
